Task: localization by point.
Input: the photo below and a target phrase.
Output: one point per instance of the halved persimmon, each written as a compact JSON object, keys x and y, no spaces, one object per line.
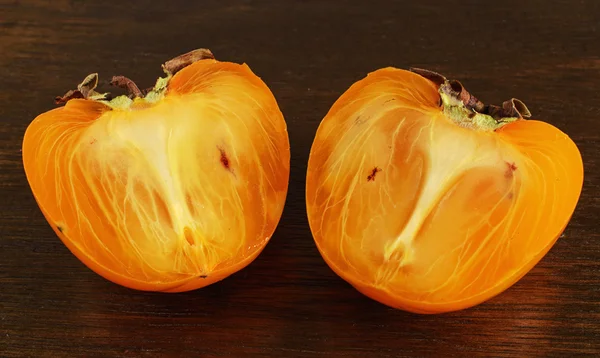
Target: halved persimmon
{"x":426,"y":200}
{"x":170,"y":190}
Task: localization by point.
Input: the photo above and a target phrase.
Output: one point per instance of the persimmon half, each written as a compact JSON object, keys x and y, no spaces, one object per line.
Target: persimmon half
{"x":169,"y":189}
{"x":427,"y":200}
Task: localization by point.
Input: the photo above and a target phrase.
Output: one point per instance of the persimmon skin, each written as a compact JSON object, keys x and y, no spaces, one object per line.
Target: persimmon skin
{"x":425,"y":215}
{"x":168,"y":196}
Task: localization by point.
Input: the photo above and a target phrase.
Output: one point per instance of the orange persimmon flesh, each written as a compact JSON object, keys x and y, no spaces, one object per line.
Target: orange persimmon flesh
{"x":422,"y":210}
{"x":171,"y":194}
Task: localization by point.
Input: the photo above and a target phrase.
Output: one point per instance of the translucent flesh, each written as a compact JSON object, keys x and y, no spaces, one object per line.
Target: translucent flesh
{"x":158,"y":195}
{"x":425,"y":215}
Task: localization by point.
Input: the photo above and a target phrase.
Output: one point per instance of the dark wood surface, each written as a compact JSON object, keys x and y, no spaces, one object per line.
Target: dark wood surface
{"x":288,"y":302}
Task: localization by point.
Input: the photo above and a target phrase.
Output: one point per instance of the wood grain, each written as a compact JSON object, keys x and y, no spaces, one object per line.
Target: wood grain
{"x":288,"y":303}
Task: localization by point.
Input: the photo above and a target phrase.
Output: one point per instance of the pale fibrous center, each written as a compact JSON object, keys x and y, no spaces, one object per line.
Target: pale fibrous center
{"x":160,"y":181}
{"x":413,"y":191}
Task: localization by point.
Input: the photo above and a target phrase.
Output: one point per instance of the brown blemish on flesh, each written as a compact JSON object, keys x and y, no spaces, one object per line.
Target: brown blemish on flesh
{"x":510,"y":169}
{"x":374,"y":172}
{"x":224,"y":159}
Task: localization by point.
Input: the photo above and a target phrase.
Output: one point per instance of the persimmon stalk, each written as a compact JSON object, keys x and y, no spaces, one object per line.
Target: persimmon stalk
{"x":466,"y":110}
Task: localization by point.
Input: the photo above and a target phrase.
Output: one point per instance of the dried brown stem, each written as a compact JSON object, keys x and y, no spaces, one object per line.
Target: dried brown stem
{"x":71,"y":94}
{"x":124,"y":82}
{"x":509,"y":109}
{"x":434,"y":77}
{"x":457,"y":90}
{"x":180,"y":62}
{"x":84,"y":90}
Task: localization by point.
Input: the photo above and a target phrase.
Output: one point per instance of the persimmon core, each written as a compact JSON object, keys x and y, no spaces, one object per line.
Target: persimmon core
{"x":168,"y":184}
{"x":434,"y":171}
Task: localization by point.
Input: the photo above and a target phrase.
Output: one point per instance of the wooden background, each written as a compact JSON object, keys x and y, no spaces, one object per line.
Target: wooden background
{"x":288,"y":303}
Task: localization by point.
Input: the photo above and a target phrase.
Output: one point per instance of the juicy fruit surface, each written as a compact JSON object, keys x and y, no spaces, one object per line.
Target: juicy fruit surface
{"x":425,"y":215}
{"x":189,"y":187}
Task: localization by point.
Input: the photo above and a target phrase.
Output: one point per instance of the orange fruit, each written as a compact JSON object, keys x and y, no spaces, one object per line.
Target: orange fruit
{"x":169,"y":190}
{"x":426,"y":200}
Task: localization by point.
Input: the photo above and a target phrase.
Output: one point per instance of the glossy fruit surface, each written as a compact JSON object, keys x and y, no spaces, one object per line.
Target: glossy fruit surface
{"x":426,"y":200}
{"x":168,"y":191}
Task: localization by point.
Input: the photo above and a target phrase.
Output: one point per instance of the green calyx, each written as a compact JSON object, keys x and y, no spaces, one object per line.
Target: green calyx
{"x":135,"y":97}
{"x":467,"y":111}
